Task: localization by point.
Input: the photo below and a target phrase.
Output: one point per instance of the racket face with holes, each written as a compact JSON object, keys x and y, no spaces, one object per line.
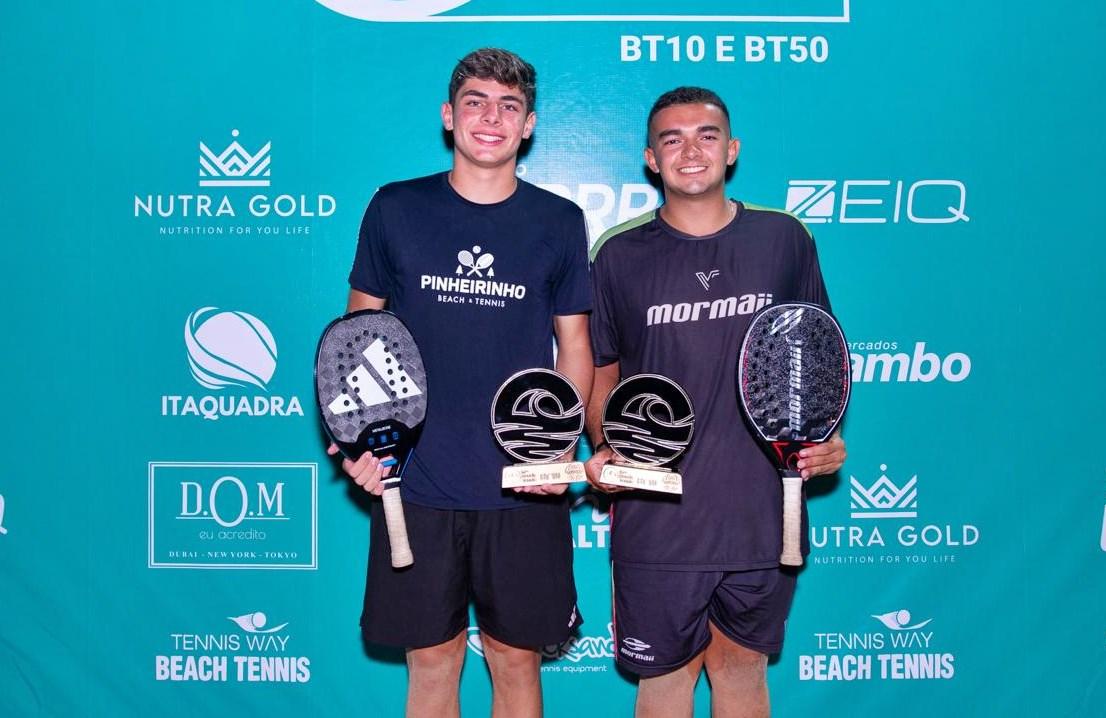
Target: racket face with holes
{"x":370,"y":385}
{"x":793,"y":378}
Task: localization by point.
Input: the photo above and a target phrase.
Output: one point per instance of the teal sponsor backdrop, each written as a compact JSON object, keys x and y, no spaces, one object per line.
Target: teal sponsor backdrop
{"x":944,"y":154}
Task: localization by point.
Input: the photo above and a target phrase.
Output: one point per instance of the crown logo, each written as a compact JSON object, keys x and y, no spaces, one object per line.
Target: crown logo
{"x":234,"y":166}
{"x":883,"y":499}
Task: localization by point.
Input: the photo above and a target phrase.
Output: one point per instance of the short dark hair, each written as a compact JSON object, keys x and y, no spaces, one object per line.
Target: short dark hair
{"x":503,"y":66}
{"x":687,"y":96}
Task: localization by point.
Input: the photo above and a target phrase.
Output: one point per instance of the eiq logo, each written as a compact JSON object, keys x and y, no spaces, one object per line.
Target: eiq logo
{"x":429,"y":11}
{"x":228,"y":349}
{"x":878,"y":201}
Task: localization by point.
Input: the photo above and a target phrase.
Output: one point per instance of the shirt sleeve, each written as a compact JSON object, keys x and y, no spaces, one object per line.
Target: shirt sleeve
{"x":372,"y":271}
{"x":604,"y":332}
{"x":811,"y":286}
{"x":571,"y":289}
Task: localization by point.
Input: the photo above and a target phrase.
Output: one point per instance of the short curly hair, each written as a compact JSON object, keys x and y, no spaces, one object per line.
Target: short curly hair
{"x":503,"y":66}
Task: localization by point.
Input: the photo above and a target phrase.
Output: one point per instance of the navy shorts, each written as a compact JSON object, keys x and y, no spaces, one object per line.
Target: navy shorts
{"x":661,"y":617}
{"x":515,"y":565}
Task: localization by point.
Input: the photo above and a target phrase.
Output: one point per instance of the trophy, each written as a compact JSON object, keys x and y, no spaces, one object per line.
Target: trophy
{"x":647,"y":422}
{"x":537,"y":417}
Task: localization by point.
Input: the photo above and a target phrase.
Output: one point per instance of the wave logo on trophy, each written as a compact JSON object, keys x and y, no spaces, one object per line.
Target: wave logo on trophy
{"x":648,"y":422}
{"x":537,"y":417}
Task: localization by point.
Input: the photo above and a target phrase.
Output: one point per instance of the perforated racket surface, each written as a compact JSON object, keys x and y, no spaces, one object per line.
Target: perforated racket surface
{"x":793,"y":384}
{"x":370,"y":387}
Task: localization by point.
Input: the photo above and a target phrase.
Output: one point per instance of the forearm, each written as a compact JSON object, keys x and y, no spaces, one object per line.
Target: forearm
{"x":606,"y":378}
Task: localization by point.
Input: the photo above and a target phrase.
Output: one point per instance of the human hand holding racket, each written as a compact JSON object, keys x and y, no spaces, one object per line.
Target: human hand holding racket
{"x":793,"y":384}
{"x":370,"y":387}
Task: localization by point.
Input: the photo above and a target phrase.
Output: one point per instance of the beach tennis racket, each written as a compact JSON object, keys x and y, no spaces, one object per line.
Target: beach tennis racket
{"x":370,"y":386}
{"x":793,"y":385}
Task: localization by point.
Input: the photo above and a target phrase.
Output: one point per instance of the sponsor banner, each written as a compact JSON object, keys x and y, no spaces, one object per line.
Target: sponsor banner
{"x":577,"y":654}
{"x":886,"y":526}
{"x":232,"y":515}
{"x":4,"y":531}
{"x":892,"y":646}
{"x":591,"y":521}
{"x":246,"y":648}
{"x":885,"y":361}
{"x":878,"y":201}
{"x":234,"y":196}
{"x":234,"y":354}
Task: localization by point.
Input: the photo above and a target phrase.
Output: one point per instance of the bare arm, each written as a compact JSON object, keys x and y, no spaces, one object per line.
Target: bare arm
{"x":359,"y":300}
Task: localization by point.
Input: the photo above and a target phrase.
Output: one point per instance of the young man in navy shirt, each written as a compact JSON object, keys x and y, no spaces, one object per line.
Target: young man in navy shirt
{"x":697,"y":581}
{"x":485,"y":270}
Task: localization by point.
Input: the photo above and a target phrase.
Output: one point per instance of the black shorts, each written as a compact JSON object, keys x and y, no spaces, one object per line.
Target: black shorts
{"x":661,"y":617}
{"x":514,"y":564}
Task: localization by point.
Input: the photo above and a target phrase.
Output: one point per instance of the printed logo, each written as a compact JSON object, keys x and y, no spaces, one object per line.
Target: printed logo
{"x":878,"y":201}
{"x":695,"y":311}
{"x":227,"y":349}
{"x":882,"y":362}
{"x":475,"y":262}
{"x":835,"y":11}
{"x":903,"y":652}
{"x":883,"y":499}
{"x":234,"y":166}
{"x":648,"y":420}
{"x":461,"y":289}
{"x":784,"y":323}
{"x":191,"y":213}
{"x":576,"y":654}
{"x":369,"y":390}
{"x":4,"y":531}
{"x":633,"y":647}
{"x":232,"y":515}
{"x":705,"y":277}
{"x":593,"y":528}
{"x":252,"y":655}
{"x":880,"y":536}
{"x":605,"y":205}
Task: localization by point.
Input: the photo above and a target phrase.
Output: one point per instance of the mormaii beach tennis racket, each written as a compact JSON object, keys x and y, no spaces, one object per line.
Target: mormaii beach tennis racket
{"x":793,"y":384}
{"x":370,"y":385}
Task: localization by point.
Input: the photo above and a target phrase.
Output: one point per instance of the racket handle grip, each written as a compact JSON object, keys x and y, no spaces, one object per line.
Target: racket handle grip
{"x":792,"y":521}
{"x":397,"y":528}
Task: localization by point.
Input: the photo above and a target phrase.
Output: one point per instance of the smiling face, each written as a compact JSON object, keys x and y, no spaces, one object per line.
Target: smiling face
{"x":488,"y":121}
{"x":690,"y":147}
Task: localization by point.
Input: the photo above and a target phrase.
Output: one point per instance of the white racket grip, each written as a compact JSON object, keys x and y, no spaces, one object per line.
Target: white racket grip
{"x":397,"y":528}
{"x":792,"y":521}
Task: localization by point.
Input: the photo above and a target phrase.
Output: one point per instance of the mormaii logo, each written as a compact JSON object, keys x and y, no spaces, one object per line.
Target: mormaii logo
{"x":884,"y":362}
{"x":826,"y":11}
{"x":878,"y":201}
{"x":227,"y":350}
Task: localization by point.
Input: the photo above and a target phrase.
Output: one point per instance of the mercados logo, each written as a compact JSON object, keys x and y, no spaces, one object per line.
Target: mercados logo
{"x":885,"y":528}
{"x":878,"y":201}
{"x":883,"y":362}
{"x":231,"y":168}
{"x":255,"y":654}
{"x":900,"y":650}
{"x":576,"y":654}
{"x":552,"y":11}
{"x":232,"y":515}
{"x":228,"y":349}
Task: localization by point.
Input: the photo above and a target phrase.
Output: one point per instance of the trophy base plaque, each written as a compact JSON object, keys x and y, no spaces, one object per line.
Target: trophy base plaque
{"x":638,"y":477}
{"x":568,"y":472}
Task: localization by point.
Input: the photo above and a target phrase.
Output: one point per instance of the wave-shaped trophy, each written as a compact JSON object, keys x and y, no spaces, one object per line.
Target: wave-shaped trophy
{"x":537,"y":417}
{"x":648,"y":422}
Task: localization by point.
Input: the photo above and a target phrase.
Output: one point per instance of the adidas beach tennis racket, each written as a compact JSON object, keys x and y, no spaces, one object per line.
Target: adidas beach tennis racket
{"x":793,"y":385}
{"x":370,"y":386}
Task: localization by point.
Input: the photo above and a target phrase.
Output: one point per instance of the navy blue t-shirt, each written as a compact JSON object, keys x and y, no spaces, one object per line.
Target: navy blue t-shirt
{"x":478,"y":285}
{"x":672,"y":304}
